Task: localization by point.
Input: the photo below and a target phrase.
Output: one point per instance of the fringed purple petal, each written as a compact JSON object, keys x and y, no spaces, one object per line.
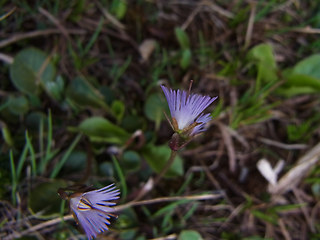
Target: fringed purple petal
{"x":101,"y":198}
{"x":186,"y":109}
{"x":107,"y":193}
{"x":93,"y":222}
{"x":169,"y":96}
{"x":93,"y":209}
{"x":203,"y":120}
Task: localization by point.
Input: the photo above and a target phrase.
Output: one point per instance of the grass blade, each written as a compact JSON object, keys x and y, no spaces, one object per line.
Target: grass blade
{"x":21,"y":161}
{"x":14,"y":178}
{"x":60,"y":164}
{"x":32,"y":155}
{"x":121,"y":177}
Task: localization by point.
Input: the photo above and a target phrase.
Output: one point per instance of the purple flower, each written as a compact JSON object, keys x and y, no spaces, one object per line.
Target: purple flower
{"x":186,"y":110}
{"x":92,"y":210}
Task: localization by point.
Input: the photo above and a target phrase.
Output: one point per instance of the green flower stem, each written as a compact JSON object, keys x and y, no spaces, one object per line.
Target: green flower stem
{"x":166,"y":167}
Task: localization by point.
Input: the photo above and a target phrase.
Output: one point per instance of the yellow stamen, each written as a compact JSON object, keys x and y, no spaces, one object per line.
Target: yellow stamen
{"x":175,"y":124}
{"x":188,"y":129}
{"x":84,"y":204}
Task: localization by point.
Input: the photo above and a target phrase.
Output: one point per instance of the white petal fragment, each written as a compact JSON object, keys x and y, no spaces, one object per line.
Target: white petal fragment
{"x":267,"y":171}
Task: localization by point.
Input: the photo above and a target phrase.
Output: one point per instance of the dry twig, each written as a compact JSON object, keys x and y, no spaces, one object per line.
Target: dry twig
{"x":21,"y":36}
{"x":291,"y":179}
{"x":229,"y":145}
{"x":116,"y":209}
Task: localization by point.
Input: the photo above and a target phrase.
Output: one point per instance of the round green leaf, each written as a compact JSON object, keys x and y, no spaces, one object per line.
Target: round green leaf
{"x":154,"y":107}
{"x":55,"y":88}
{"x":309,"y":66}
{"x":131,"y":160}
{"x":44,"y":198}
{"x":262,"y":56}
{"x":107,"y":93}
{"x":189,"y":235}
{"x":132,"y":122}
{"x":185,"y":58}
{"x":18,"y":105}
{"x":106,"y":169}
{"x":100,"y":129}
{"x":127,"y":219}
{"x":76,"y":162}
{"x":30,"y":69}
{"x":84,"y":94}
{"x":182,"y":38}
{"x":34,"y":119}
{"x":263,"y":53}
{"x":118,"y":109}
{"x":119,"y":8}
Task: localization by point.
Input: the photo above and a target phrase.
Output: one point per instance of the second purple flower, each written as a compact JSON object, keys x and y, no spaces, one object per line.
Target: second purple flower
{"x":186,"y":111}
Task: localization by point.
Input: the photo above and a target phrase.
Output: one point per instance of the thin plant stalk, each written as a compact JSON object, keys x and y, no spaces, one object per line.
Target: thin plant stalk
{"x":166,"y":167}
{"x":146,"y":189}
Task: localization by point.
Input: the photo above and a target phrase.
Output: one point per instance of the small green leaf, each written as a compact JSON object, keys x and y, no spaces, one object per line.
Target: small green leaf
{"x":76,"y":162}
{"x":263,"y":53}
{"x":108,"y":94}
{"x":33,"y":120}
{"x":293,"y":91}
{"x":264,"y":216}
{"x":55,"y":88}
{"x":119,"y":8}
{"x":106,"y":169}
{"x":182,"y":38}
{"x":18,"y":105}
{"x":185,"y":58}
{"x":83,"y":94}
{"x":309,"y":66}
{"x":157,"y":156}
{"x":189,"y":235}
{"x":299,"y":132}
{"x":6,"y":135}
{"x":44,"y":198}
{"x":131,"y":160}
{"x":301,"y":80}
{"x":30,"y":69}
{"x":35,"y":101}
{"x":154,"y":107}
{"x":118,"y":109}
{"x":102,"y":130}
{"x":133,"y":122}
{"x":128,"y":233}
{"x":127,"y":219}
{"x":262,"y":56}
